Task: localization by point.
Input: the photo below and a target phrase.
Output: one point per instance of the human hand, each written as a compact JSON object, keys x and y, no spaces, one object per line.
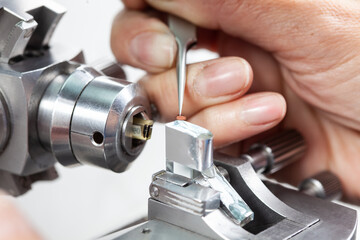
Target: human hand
{"x":13,"y":225}
{"x":304,"y":50}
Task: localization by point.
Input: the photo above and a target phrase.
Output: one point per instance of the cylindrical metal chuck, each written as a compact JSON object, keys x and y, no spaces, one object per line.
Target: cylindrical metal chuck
{"x":89,"y":118}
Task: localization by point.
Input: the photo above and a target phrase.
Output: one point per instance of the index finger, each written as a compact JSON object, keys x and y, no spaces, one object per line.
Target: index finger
{"x":142,"y":41}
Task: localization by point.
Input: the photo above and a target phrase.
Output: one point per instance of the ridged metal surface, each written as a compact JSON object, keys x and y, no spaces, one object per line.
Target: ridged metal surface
{"x":324,"y":185}
{"x":277,"y":151}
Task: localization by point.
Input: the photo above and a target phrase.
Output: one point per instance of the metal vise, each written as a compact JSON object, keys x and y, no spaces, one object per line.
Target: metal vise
{"x":186,"y":204}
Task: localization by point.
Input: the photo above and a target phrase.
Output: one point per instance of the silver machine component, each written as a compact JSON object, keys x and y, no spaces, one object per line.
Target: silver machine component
{"x":191,"y":146}
{"x":276,"y":152}
{"x":53,"y":107}
{"x":194,"y":141}
{"x":185,"y":36}
{"x":186,"y":207}
{"x":324,"y":185}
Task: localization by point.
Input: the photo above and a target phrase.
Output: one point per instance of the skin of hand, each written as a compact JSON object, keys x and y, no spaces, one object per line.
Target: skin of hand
{"x":305,"y":52}
{"x":13,"y":224}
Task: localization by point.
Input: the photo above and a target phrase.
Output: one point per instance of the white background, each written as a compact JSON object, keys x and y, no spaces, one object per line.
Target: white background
{"x":87,"y":202}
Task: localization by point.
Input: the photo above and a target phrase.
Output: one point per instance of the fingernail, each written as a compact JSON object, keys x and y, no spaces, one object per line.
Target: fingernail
{"x":263,"y":110}
{"x":222,"y":78}
{"x":154,"y":49}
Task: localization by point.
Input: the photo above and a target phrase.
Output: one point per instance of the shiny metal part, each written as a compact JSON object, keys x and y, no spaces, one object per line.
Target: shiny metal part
{"x":185,"y":36}
{"x":233,"y":205}
{"x":324,"y":185}
{"x":184,"y":193}
{"x":268,"y":209}
{"x":165,"y":222}
{"x":26,"y":24}
{"x":191,"y":146}
{"x":16,"y":31}
{"x":172,"y":178}
{"x":294,"y":216}
{"x":83,"y":118}
{"x":215,"y":225}
{"x":224,"y":172}
{"x":188,"y":145}
{"x":55,"y":108}
{"x":279,"y":212}
{"x":276,"y":152}
{"x":24,"y":78}
{"x":101,"y":110}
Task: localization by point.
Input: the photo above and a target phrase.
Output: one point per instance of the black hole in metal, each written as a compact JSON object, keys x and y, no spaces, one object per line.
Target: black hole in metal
{"x":98,"y":137}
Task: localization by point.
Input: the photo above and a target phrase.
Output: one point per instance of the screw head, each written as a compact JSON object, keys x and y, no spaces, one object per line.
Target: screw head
{"x":154,"y":191}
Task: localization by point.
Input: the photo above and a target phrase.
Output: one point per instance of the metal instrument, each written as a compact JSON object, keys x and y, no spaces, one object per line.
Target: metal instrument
{"x":190,"y":146}
{"x":53,"y":107}
{"x":187,"y":207}
{"x":185,"y":35}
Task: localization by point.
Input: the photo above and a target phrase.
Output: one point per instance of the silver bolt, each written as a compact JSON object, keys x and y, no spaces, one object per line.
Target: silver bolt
{"x":154,"y":191}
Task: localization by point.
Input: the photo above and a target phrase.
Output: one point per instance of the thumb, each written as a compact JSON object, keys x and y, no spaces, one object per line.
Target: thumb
{"x":271,"y":24}
{"x":13,"y":224}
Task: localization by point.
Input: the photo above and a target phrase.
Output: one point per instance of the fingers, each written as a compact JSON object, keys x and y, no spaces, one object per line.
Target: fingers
{"x":242,"y":118}
{"x":214,"y":99}
{"x":208,"y":83}
{"x":267,"y":74}
{"x":154,"y":55}
{"x":274,"y":25}
{"x":146,"y":55}
{"x":142,"y":41}
{"x":13,"y":225}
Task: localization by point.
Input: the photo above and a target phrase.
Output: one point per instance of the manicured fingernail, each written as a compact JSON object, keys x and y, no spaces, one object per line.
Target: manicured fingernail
{"x":154,"y":49}
{"x":261,"y":110}
{"x":223,"y":78}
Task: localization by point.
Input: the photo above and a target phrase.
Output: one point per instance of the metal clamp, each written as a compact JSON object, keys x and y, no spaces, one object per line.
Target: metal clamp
{"x":190,"y":146}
